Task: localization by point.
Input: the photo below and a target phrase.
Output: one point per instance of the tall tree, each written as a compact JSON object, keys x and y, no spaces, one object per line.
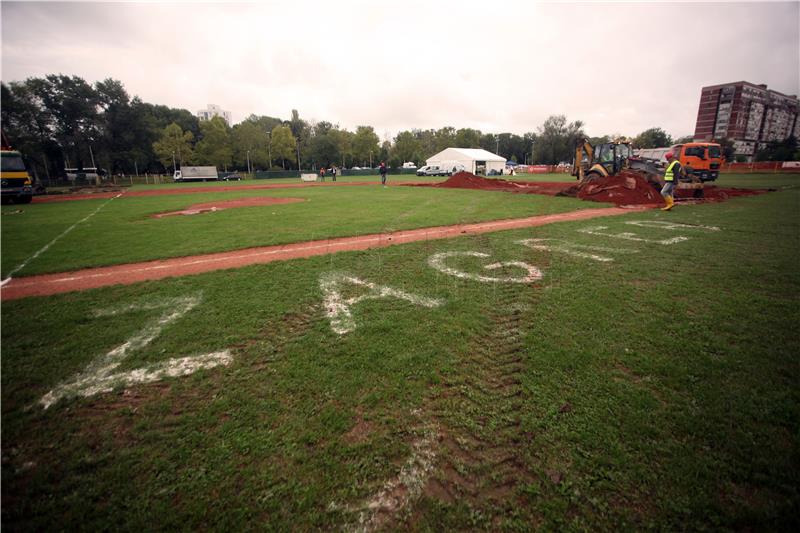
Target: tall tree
{"x":365,"y":145}
{"x":468,"y":138}
{"x":556,"y":140}
{"x":174,"y":146}
{"x":250,"y":143}
{"x":215,"y":146}
{"x":652,"y":138}
{"x":284,"y":144}
{"x":406,"y":148}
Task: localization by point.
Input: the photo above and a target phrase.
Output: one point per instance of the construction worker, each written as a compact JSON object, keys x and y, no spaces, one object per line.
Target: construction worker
{"x":671,"y":176}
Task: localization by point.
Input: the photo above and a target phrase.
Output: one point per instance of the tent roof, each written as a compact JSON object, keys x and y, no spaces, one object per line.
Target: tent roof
{"x":476,"y":154}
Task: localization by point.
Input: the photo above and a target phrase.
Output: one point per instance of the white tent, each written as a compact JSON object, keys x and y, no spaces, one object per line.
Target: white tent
{"x":475,"y":160}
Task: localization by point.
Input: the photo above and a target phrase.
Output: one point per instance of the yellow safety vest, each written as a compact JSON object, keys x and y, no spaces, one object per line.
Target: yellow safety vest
{"x":668,"y":175}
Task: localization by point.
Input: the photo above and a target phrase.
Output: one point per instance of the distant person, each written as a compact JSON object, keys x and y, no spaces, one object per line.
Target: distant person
{"x":322,"y":174}
{"x":333,"y":173}
{"x":671,"y":176}
{"x":383,"y":173}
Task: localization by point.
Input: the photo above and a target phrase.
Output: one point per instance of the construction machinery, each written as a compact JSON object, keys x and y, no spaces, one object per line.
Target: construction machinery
{"x":612,"y":158}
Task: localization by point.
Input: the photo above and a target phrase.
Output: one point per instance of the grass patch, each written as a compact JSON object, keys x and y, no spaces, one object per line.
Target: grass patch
{"x":123,"y":232}
{"x":655,"y":391}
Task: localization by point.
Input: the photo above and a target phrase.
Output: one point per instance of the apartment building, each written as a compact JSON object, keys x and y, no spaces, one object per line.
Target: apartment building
{"x":212,"y":111}
{"x":749,"y":114}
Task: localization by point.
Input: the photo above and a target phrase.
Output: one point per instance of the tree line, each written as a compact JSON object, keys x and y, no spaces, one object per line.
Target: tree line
{"x":60,"y":121}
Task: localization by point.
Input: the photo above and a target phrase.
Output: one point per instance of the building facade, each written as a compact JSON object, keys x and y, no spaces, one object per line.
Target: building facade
{"x":749,"y":114}
{"x":212,"y":111}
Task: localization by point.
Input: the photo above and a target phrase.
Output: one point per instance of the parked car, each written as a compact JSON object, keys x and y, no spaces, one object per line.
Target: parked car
{"x":432,"y":170}
{"x":232,"y":177}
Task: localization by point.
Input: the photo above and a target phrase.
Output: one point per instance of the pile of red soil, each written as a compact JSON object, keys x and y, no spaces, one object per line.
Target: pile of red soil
{"x":466,"y":180}
{"x":207,"y":207}
{"x":626,"y":188}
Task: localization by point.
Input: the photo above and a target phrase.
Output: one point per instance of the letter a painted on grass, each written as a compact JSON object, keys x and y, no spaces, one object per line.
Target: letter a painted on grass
{"x":338,"y":308}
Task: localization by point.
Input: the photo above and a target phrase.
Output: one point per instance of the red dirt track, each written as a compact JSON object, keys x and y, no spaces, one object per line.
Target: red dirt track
{"x":151,"y":270}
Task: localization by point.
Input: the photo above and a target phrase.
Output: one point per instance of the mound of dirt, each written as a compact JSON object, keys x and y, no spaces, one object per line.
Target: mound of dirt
{"x":626,"y":188}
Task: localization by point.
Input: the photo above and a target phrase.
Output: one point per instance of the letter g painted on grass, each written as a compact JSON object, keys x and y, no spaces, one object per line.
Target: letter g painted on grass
{"x":439,"y":262}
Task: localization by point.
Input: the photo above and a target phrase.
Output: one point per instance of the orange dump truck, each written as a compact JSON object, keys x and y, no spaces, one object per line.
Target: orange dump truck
{"x":701,"y":159}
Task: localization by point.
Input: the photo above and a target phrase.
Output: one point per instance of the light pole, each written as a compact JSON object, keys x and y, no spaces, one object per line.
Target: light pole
{"x":248,"y":162}
{"x":173,"y":164}
{"x":269,"y":136}
{"x":370,"y":159}
{"x":297,"y":143}
{"x":497,"y":150}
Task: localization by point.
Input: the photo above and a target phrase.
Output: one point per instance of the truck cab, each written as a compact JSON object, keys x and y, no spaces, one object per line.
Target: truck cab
{"x":703,"y":160}
{"x":17,"y":185}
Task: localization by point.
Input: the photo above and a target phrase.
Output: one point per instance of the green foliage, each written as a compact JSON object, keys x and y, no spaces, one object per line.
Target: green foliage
{"x":175,"y":145}
{"x":728,"y":149}
{"x":468,"y":138}
{"x":406,"y":148}
{"x":249,"y":139}
{"x":652,"y":138}
{"x":214,"y":148}
{"x":284,"y":145}
{"x":365,"y":145}
{"x":779,"y":151}
{"x":556,"y":140}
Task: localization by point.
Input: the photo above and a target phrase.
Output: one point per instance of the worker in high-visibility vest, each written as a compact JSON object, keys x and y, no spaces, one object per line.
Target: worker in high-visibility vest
{"x":671,"y":175}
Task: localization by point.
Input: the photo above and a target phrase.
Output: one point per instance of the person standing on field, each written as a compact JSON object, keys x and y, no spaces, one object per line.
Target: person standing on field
{"x":333,"y":173}
{"x":671,"y":175}
{"x":383,"y":173}
{"x":322,"y":173}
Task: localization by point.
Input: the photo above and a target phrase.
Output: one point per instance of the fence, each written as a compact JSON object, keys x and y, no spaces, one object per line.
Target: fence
{"x":762,"y":167}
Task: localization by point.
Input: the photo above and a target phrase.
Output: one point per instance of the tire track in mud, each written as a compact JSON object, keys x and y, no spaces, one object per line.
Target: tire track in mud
{"x":478,"y":411}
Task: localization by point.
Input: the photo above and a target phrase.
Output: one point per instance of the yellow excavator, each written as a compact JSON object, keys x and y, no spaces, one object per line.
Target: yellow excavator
{"x":611,"y":158}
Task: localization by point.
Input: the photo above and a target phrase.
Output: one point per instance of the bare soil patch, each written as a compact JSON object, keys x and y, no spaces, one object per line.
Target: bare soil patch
{"x":624,"y":189}
{"x":209,"y":207}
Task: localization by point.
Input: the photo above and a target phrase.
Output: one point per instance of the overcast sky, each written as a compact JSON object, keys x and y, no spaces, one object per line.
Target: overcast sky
{"x":499,"y":66}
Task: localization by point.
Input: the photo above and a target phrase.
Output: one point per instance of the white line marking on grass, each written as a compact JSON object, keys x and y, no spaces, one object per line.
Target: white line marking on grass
{"x":668,"y":225}
{"x":438,"y":261}
{"x":49,"y":244}
{"x":99,"y":375}
{"x":337,"y":308}
{"x":573,"y":249}
{"x":406,"y":487}
{"x":597,"y":230}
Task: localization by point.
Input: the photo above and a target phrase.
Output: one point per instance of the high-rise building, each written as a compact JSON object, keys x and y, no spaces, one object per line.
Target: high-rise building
{"x":213,"y":110}
{"x":750,"y":115}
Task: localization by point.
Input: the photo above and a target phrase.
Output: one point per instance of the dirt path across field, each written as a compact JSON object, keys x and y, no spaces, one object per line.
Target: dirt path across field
{"x":182,"y":266}
{"x":191,"y":190}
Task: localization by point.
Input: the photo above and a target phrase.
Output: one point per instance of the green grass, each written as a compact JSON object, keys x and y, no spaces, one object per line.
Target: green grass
{"x":657,"y":391}
{"x":123,"y":232}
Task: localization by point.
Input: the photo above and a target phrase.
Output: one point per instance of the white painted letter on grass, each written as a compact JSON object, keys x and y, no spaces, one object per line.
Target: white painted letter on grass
{"x":598,"y":230}
{"x":662,"y":224}
{"x":439,"y":262}
{"x":577,"y":250}
{"x":100,"y":377}
{"x":337,"y":308}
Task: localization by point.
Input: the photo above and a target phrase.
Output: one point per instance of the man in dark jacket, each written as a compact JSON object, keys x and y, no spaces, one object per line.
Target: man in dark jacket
{"x":383,"y":173}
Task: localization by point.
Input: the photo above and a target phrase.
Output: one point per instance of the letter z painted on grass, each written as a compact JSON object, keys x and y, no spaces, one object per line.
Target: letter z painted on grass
{"x":99,"y":375}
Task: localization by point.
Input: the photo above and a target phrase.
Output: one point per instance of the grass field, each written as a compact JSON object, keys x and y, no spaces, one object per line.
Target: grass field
{"x":631,"y":382}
